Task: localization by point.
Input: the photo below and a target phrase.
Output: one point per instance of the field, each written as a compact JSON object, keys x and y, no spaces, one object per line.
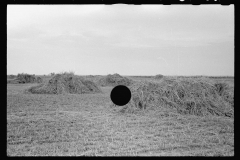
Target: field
{"x":88,"y":125}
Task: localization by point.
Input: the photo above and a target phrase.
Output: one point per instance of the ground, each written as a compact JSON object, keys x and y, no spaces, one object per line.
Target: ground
{"x":87,"y":124}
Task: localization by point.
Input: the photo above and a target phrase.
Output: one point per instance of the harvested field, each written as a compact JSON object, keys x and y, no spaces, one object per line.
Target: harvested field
{"x":88,"y":125}
{"x":120,"y":80}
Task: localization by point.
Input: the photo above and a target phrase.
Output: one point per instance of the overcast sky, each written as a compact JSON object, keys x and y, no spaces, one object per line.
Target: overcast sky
{"x":123,"y":39}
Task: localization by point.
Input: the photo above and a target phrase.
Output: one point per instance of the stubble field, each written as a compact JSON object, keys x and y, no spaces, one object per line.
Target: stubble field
{"x":88,"y":125}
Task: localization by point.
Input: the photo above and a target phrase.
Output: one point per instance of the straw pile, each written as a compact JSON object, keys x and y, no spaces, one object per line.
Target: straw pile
{"x":39,"y":80}
{"x":114,"y":80}
{"x":193,"y":96}
{"x":65,"y":83}
{"x":158,"y":76}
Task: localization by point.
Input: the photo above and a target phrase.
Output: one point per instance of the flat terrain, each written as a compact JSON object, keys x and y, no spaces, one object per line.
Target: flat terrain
{"x":87,"y":124}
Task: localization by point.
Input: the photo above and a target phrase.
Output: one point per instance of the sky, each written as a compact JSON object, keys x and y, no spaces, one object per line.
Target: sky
{"x":125,"y":39}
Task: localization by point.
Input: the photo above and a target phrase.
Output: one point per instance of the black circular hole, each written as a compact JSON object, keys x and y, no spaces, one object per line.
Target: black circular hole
{"x":120,"y":95}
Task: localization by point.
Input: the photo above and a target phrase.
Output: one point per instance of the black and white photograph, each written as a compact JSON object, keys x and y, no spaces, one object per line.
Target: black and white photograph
{"x":120,"y":80}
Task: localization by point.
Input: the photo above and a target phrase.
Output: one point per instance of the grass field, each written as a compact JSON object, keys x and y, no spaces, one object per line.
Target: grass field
{"x":87,"y":124}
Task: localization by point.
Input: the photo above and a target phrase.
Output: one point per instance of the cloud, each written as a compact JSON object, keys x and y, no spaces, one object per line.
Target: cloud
{"x":24,"y":15}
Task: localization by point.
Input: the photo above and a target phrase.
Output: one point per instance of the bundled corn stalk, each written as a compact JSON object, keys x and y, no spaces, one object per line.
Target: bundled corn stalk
{"x":196,"y":96}
{"x":64,"y":83}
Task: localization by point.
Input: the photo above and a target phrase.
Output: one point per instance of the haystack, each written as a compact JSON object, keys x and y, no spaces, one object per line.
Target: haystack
{"x":39,"y":80}
{"x":186,"y":96}
{"x":114,"y":80}
{"x":64,"y":83}
{"x":158,"y":76}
